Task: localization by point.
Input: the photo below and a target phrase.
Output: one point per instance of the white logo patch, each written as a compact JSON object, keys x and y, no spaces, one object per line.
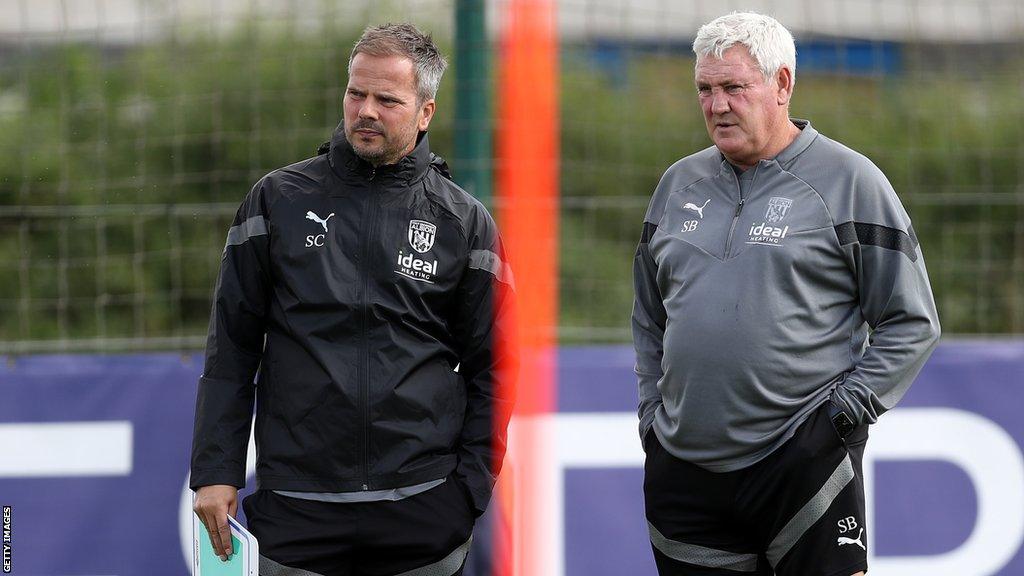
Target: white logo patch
{"x":764,"y":233}
{"x":767,"y":235}
{"x":412,"y":267}
{"x":777,"y":209}
{"x":698,"y":209}
{"x":323,"y":221}
{"x":421,"y":235}
{"x":317,"y":240}
{"x":843,"y":541}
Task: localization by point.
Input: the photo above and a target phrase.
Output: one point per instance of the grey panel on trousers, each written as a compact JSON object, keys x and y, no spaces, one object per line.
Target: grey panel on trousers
{"x":700,"y":555}
{"x":255,"y":226}
{"x":446,"y":566}
{"x":270,"y":568}
{"x":811,"y":512}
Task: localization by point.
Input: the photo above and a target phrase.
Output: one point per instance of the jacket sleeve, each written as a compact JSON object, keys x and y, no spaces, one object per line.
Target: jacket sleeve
{"x":224,"y":404}
{"x":895,"y":300}
{"x":648,"y":324}
{"x":483,"y":329}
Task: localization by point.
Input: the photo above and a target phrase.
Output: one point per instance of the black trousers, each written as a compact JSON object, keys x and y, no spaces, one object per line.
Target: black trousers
{"x":797,"y":512}
{"x":424,"y":535}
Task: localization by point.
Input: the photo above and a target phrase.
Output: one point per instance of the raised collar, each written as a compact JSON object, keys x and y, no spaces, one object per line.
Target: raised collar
{"x":347,"y":164}
{"x":797,"y":146}
{"x":789,"y":153}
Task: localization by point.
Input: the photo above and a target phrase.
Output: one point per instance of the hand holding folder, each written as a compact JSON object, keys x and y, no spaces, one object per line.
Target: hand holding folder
{"x":245,"y":552}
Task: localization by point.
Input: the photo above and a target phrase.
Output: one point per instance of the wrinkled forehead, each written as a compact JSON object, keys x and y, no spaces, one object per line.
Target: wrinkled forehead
{"x":736,"y":63}
{"x":393,"y":72}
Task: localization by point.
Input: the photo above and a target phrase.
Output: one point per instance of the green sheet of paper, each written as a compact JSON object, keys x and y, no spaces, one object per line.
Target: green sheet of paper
{"x":212,"y":565}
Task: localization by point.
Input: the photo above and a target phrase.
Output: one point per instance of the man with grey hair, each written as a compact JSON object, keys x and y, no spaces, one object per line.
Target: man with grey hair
{"x":781,"y":306}
{"x":357,"y":282}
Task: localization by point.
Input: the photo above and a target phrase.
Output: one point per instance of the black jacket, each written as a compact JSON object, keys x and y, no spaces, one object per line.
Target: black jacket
{"x":357,"y":292}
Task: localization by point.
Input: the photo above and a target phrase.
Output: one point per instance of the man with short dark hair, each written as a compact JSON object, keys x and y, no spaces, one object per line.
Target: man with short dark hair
{"x":782,"y":305}
{"x":374,"y":296}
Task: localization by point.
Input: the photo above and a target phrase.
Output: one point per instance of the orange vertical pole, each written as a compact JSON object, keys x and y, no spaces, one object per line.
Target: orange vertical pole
{"x":527,"y":175}
{"x":526,"y":150}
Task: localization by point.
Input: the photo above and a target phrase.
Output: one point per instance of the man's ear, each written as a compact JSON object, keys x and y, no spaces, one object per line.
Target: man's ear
{"x":784,"y":81}
{"x":426,"y":114}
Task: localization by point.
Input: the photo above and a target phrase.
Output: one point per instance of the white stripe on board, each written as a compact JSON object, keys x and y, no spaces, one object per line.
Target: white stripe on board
{"x":42,"y":450}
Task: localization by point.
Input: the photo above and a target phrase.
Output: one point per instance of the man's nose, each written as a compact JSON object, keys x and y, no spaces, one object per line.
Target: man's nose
{"x":368,"y":110}
{"x":719,"y":102}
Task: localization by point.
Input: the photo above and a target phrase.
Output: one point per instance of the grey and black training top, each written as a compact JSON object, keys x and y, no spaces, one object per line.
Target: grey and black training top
{"x":753,"y":307}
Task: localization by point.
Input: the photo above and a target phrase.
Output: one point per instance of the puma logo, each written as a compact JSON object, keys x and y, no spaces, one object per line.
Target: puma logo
{"x":698,"y":209}
{"x":323,"y":222}
{"x":844,"y":540}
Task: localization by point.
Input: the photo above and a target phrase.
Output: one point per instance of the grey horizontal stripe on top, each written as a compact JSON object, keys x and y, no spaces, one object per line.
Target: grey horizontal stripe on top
{"x":390,"y":495}
{"x":811,"y":512}
{"x":490,"y":262}
{"x":446,"y":566}
{"x":700,"y":555}
{"x":255,"y":226}
{"x":270,"y":568}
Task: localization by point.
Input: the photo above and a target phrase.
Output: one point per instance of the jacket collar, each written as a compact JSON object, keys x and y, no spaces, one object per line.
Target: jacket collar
{"x":347,"y":164}
{"x":795,"y":148}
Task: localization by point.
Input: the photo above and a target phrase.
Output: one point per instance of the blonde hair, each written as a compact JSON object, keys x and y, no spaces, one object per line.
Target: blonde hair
{"x":408,"y":41}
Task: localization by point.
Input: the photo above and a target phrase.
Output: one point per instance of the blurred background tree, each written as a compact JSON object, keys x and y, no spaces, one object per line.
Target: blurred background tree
{"x":123,"y":161}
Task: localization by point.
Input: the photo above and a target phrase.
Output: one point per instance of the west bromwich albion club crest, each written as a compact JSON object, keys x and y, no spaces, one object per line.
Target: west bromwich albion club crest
{"x":777,"y":209}
{"x":421,"y":235}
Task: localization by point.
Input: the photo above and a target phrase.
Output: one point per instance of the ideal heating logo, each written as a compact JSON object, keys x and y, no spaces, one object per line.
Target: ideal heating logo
{"x":763,"y":233}
{"x":7,"y":539}
{"x":421,"y":237}
{"x":412,"y":267}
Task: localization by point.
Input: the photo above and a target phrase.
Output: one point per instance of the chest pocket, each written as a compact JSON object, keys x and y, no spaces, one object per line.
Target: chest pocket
{"x":699,"y":217}
{"x":779,"y":213}
{"x":783,"y":224}
{"x":421,"y":249}
{"x":315,"y":259}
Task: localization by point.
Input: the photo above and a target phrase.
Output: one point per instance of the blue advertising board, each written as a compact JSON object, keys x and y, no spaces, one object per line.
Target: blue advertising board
{"x":94,"y":461}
